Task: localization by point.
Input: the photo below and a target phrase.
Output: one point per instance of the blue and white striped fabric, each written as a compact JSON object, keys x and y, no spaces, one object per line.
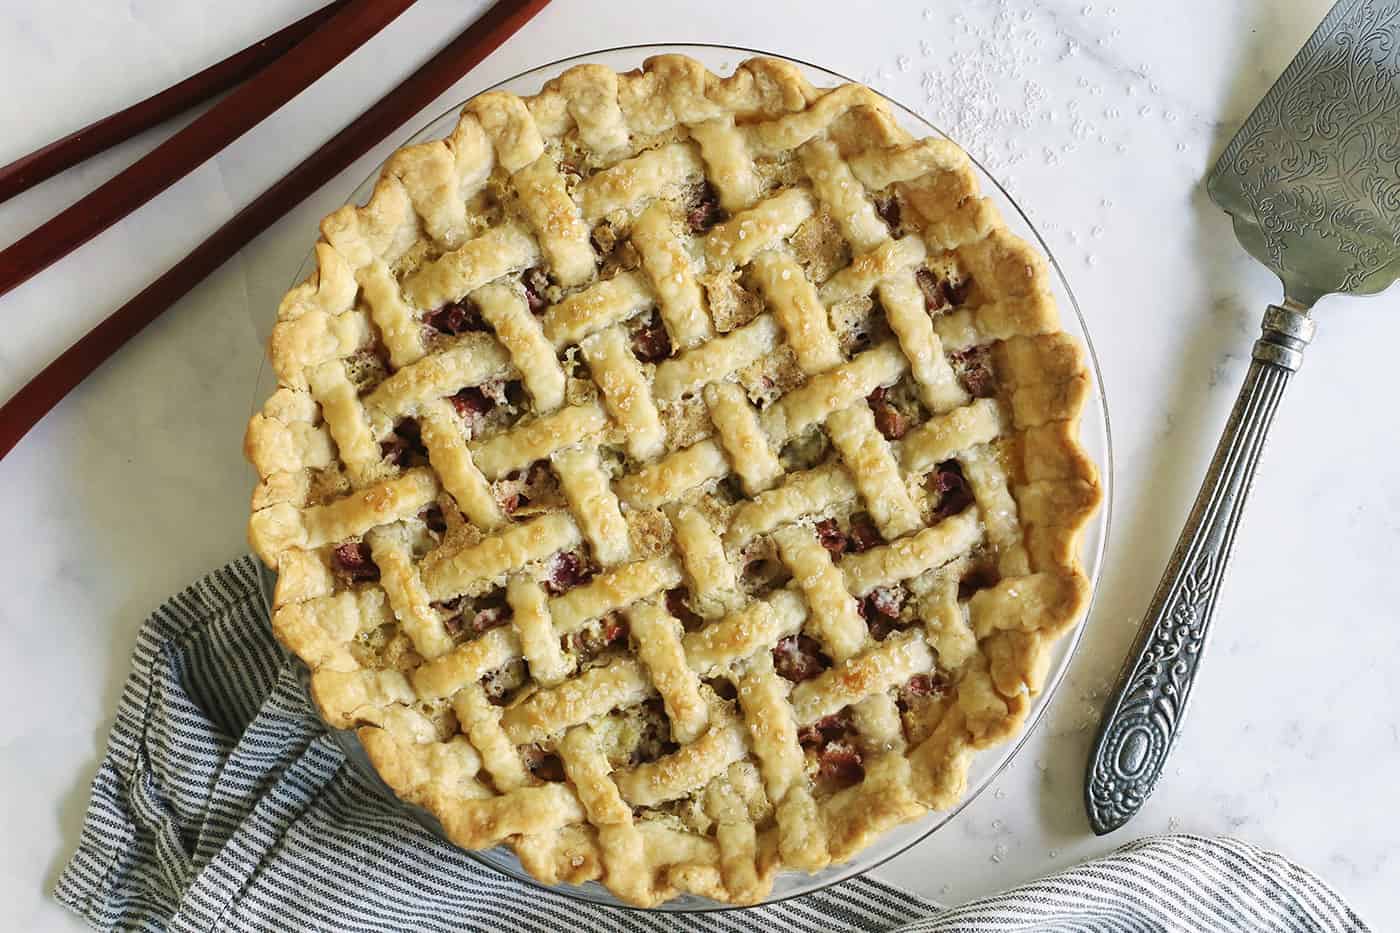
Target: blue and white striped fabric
{"x":222,"y":804}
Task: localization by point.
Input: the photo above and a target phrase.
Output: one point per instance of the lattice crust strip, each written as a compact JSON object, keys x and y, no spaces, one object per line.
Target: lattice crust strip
{"x":674,"y":477}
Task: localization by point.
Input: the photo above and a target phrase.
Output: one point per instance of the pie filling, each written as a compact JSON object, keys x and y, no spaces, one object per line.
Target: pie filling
{"x":674,"y":477}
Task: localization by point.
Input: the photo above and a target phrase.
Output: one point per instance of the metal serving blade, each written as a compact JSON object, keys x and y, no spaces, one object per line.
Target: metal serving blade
{"x":1312,"y":182}
{"x":1312,"y":179}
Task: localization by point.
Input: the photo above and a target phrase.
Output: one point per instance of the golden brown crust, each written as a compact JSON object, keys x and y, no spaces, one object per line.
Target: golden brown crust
{"x":418,"y":570}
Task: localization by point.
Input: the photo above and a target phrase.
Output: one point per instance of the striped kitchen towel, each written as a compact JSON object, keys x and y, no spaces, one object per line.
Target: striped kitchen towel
{"x":223,"y":804}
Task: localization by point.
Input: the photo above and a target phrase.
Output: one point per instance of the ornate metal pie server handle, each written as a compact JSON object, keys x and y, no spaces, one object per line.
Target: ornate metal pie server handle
{"x":1146,"y":710}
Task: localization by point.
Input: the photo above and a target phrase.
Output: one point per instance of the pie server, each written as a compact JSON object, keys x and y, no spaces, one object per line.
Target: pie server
{"x":1312,"y":181}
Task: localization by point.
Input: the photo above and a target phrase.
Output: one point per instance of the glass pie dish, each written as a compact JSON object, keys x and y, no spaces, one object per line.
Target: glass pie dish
{"x":1094,"y":438}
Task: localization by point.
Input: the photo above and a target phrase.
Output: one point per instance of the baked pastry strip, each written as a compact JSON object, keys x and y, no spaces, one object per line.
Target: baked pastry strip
{"x":868,"y":459}
{"x":591,"y":499}
{"x":832,"y":616}
{"x":658,"y":640}
{"x":530,"y":351}
{"x":713,"y":583}
{"x":626,"y":391}
{"x":668,"y":266}
{"x":743,"y":439}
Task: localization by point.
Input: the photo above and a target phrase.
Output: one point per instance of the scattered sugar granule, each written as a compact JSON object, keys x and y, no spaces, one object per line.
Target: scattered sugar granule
{"x":982,"y":83}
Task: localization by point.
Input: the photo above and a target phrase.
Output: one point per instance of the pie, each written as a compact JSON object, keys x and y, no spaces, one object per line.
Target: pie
{"x":673,"y":477}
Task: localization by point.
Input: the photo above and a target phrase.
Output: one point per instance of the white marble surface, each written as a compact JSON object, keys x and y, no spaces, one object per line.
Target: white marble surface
{"x":135,"y":485}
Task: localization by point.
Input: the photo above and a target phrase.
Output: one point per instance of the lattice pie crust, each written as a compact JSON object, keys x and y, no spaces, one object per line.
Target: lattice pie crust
{"x":674,"y":477}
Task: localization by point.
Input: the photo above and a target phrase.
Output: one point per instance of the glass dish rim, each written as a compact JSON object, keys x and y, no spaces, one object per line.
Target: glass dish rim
{"x":346,"y":739}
